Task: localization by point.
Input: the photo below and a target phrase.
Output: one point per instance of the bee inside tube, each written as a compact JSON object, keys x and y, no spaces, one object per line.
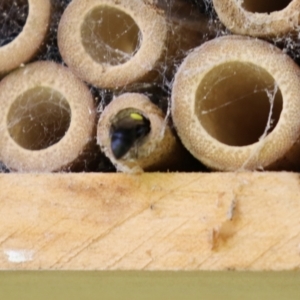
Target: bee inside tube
{"x":127,"y":132}
{"x":136,"y":136}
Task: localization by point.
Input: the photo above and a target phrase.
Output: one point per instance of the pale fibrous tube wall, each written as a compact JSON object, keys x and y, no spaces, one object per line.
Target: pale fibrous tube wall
{"x":236,"y":105}
{"x":48,"y":118}
{"x":234,"y":100}
{"x":158,"y":150}
{"x":28,"y":42}
{"x":112,"y":44}
{"x":259,"y":18}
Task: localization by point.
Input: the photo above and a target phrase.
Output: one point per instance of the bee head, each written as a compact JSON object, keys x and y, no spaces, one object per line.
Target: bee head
{"x":127,"y":130}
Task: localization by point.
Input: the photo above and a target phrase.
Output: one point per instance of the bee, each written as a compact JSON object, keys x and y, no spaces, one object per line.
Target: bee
{"x":128,"y":131}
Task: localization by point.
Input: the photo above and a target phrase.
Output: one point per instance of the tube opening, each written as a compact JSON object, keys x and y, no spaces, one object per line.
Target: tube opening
{"x":265,"y":6}
{"x":237,"y":103}
{"x":128,"y":130}
{"x":13,"y":16}
{"x":39,"y":118}
{"x":110,"y":36}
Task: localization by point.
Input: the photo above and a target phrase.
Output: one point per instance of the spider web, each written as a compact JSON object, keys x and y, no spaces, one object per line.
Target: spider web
{"x":13,"y":16}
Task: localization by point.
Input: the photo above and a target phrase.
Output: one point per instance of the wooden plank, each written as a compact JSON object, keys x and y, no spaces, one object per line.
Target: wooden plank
{"x":149,"y":285}
{"x":151,"y":221}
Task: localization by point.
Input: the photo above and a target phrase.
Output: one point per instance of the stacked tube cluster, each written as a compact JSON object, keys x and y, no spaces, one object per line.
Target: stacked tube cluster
{"x":234,"y":101}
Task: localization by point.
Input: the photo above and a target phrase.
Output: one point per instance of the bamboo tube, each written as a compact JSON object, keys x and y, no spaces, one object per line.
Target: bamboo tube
{"x":28,"y":42}
{"x":48,"y":118}
{"x":236,"y":105}
{"x":267,"y":18}
{"x":157,"y":150}
{"x":111,"y":44}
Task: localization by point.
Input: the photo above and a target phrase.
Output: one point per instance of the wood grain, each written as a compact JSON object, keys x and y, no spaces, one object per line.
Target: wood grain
{"x":152,"y":221}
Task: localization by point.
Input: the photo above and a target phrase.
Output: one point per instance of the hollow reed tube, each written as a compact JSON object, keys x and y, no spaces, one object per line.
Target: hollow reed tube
{"x":236,"y":105}
{"x":267,"y":18}
{"x":27,"y":43}
{"x":112,"y":44}
{"x":48,"y":118}
{"x":158,"y":149}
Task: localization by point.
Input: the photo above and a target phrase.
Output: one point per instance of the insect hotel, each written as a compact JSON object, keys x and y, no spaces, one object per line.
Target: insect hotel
{"x":149,"y":149}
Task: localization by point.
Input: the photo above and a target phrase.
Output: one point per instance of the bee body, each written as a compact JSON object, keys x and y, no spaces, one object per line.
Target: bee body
{"x":126,"y":132}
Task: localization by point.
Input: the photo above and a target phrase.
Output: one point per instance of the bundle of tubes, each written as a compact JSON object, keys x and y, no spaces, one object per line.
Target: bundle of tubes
{"x":149,"y":85}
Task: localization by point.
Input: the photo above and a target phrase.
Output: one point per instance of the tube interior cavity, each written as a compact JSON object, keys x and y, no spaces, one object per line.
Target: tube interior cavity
{"x":265,"y":6}
{"x":109,"y":35}
{"x":13,"y":16}
{"x":39,"y":118}
{"x":234,"y":102}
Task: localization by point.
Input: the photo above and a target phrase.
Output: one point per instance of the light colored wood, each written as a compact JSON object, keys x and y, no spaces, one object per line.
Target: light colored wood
{"x":152,"y":221}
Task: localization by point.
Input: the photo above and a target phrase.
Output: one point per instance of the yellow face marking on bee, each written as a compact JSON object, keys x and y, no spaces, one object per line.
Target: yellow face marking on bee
{"x":136,"y":116}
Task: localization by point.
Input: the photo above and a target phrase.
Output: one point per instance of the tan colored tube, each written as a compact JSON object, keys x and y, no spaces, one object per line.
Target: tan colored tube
{"x":48,"y":118}
{"x":28,"y":42}
{"x":112,"y":44}
{"x":236,"y":105}
{"x":159,"y":150}
{"x":266,"y":18}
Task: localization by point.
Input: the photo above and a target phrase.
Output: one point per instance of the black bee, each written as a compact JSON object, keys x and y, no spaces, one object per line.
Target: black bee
{"x":126,"y":132}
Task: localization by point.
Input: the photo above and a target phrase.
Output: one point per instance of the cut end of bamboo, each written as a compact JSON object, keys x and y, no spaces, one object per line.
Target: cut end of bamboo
{"x":235,"y":104}
{"x":124,"y":47}
{"x":27,"y":42}
{"x":259,"y":18}
{"x":154,"y":151}
{"x":48,"y":118}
